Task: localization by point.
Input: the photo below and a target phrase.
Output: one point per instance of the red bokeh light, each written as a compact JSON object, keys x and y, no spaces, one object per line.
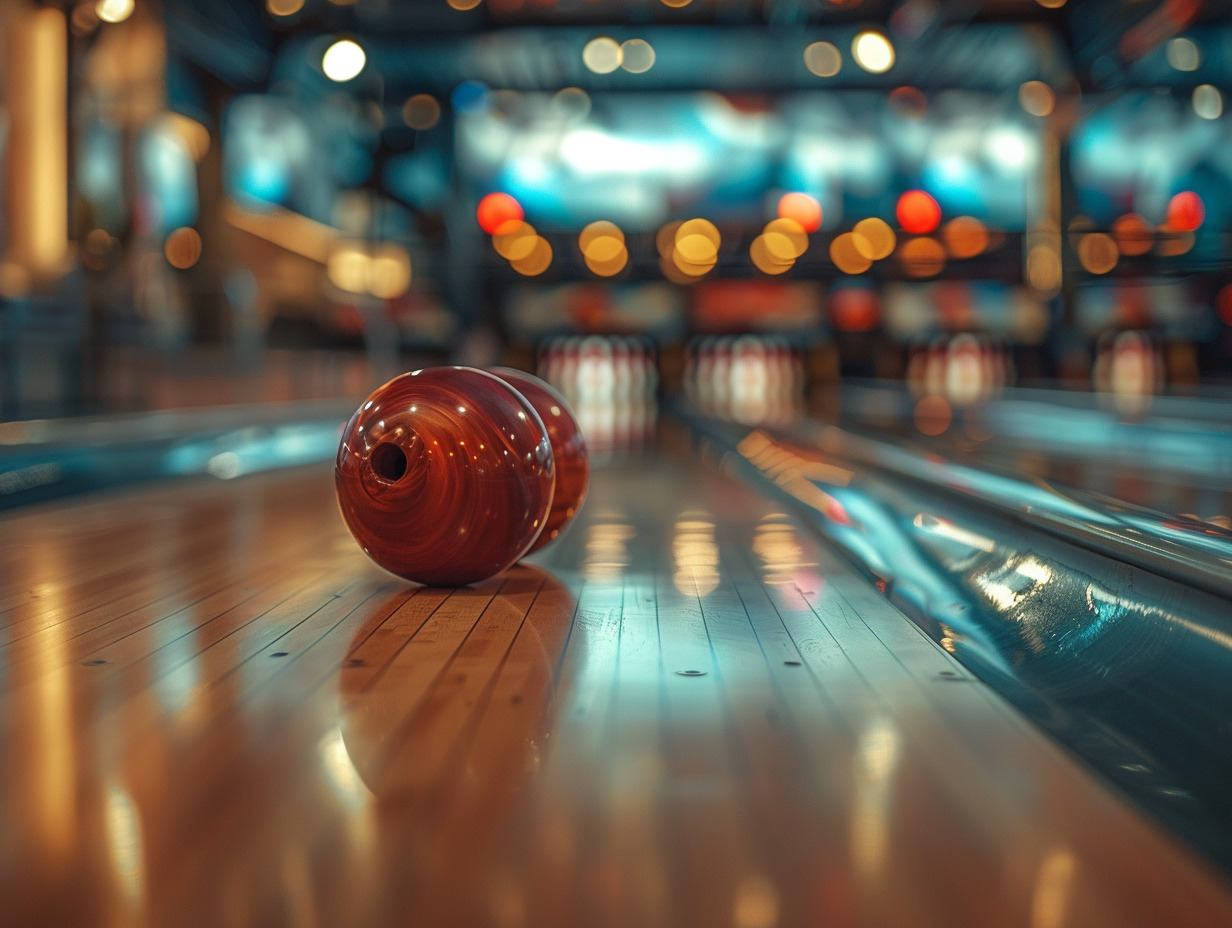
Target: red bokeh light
{"x":1185,"y":212}
{"x":1223,"y":304}
{"x":495,"y":210}
{"x":917,"y":212}
{"x":801,"y":208}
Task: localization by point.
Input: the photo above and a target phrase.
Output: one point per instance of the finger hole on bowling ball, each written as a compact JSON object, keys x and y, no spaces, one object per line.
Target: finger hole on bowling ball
{"x":388,"y":461}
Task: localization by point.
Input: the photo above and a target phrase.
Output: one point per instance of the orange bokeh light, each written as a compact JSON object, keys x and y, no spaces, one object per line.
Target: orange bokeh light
{"x":917,"y":212}
{"x":801,"y":208}
{"x":1185,"y":212}
{"x":495,"y":210}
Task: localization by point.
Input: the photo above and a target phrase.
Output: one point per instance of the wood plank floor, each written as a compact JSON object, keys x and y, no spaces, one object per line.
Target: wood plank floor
{"x":215,"y":711}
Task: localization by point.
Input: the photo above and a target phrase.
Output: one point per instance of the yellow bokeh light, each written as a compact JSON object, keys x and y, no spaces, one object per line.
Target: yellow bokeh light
{"x":922,"y":257}
{"x":538,"y":261}
{"x":421,"y":111}
{"x":696,"y":249}
{"x":765,"y":260}
{"x":464,"y":4}
{"x":347,"y":268}
{"x":823,"y":59}
{"x":1036,"y":98}
{"x":637,"y":56}
{"x":607,"y":262}
{"x":515,"y":240}
{"x":676,"y":4}
{"x":602,"y":55}
{"x":389,"y":272}
{"x":846,"y":254}
{"x":343,"y":60}
{"x":702,"y":227}
{"x":600,"y":229}
{"x":873,"y":52}
{"x":284,"y":7}
{"x":114,"y":11}
{"x":183,"y":248}
{"x":674,"y":273}
{"x":785,"y":238}
{"x":875,"y":238}
{"x":1098,"y":252}
{"x":964,"y":237}
{"x":603,"y":249}
{"x":665,"y":239}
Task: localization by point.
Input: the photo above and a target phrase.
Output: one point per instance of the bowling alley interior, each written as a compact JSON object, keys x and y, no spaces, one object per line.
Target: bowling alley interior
{"x":615,"y":463}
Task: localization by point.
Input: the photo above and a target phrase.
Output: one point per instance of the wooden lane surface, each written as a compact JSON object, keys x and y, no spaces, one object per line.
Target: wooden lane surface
{"x":214,"y":711}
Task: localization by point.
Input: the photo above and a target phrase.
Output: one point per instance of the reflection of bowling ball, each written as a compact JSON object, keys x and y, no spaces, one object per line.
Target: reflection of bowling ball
{"x":568,"y":449}
{"x":445,"y":476}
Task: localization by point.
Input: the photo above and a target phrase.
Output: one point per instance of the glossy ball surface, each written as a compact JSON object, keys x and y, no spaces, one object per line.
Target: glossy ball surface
{"x":445,"y":476}
{"x":568,"y":449}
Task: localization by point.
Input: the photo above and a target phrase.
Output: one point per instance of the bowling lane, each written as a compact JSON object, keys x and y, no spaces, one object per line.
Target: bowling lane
{"x":689,"y":711}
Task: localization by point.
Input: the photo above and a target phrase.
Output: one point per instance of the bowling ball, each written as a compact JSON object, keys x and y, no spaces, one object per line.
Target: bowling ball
{"x":568,"y":449}
{"x":445,"y":476}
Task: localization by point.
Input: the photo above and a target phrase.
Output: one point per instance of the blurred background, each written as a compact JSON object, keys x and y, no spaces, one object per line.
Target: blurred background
{"x":743,"y":203}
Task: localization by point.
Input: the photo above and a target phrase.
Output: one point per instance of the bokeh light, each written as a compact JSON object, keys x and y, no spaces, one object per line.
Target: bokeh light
{"x":1223,"y":304}
{"x":1185,"y":212}
{"x":536,"y":262}
{"x":874,"y":238}
{"x":1173,"y":244}
{"x":917,"y":212}
{"x":1183,"y":54}
{"x":495,"y":210}
{"x":696,"y":248}
{"x":802,"y":208}
{"x":599,"y":230}
{"x":464,"y":4}
{"x":823,"y":59}
{"x":602,"y":55}
{"x":183,"y":248}
{"x":1132,"y":234}
{"x":922,"y":257}
{"x":343,"y":60}
{"x":847,"y":255}
{"x":766,"y":261}
{"x":637,"y":56}
{"x":1098,"y":252}
{"x":514,"y":240}
{"x":284,"y":7}
{"x":1207,"y":101}
{"x":421,"y":111}
{"x":389,"y":272}
{"x":964,"y":237}
{"x":785,"y":239}
{"x":114,"y":11}
{"x":1036,"y":98}
{"x":347,"y":268}
{"x":603,"y":248}
{"x":873,"y":52}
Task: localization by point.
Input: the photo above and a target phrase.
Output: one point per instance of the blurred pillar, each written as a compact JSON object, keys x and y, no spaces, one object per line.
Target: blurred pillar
{"x":34,"y":69}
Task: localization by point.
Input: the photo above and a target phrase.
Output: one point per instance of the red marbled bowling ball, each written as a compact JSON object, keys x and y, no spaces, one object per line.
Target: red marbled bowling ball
{"x":445,"y":476}
{"x":568,"y":449}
